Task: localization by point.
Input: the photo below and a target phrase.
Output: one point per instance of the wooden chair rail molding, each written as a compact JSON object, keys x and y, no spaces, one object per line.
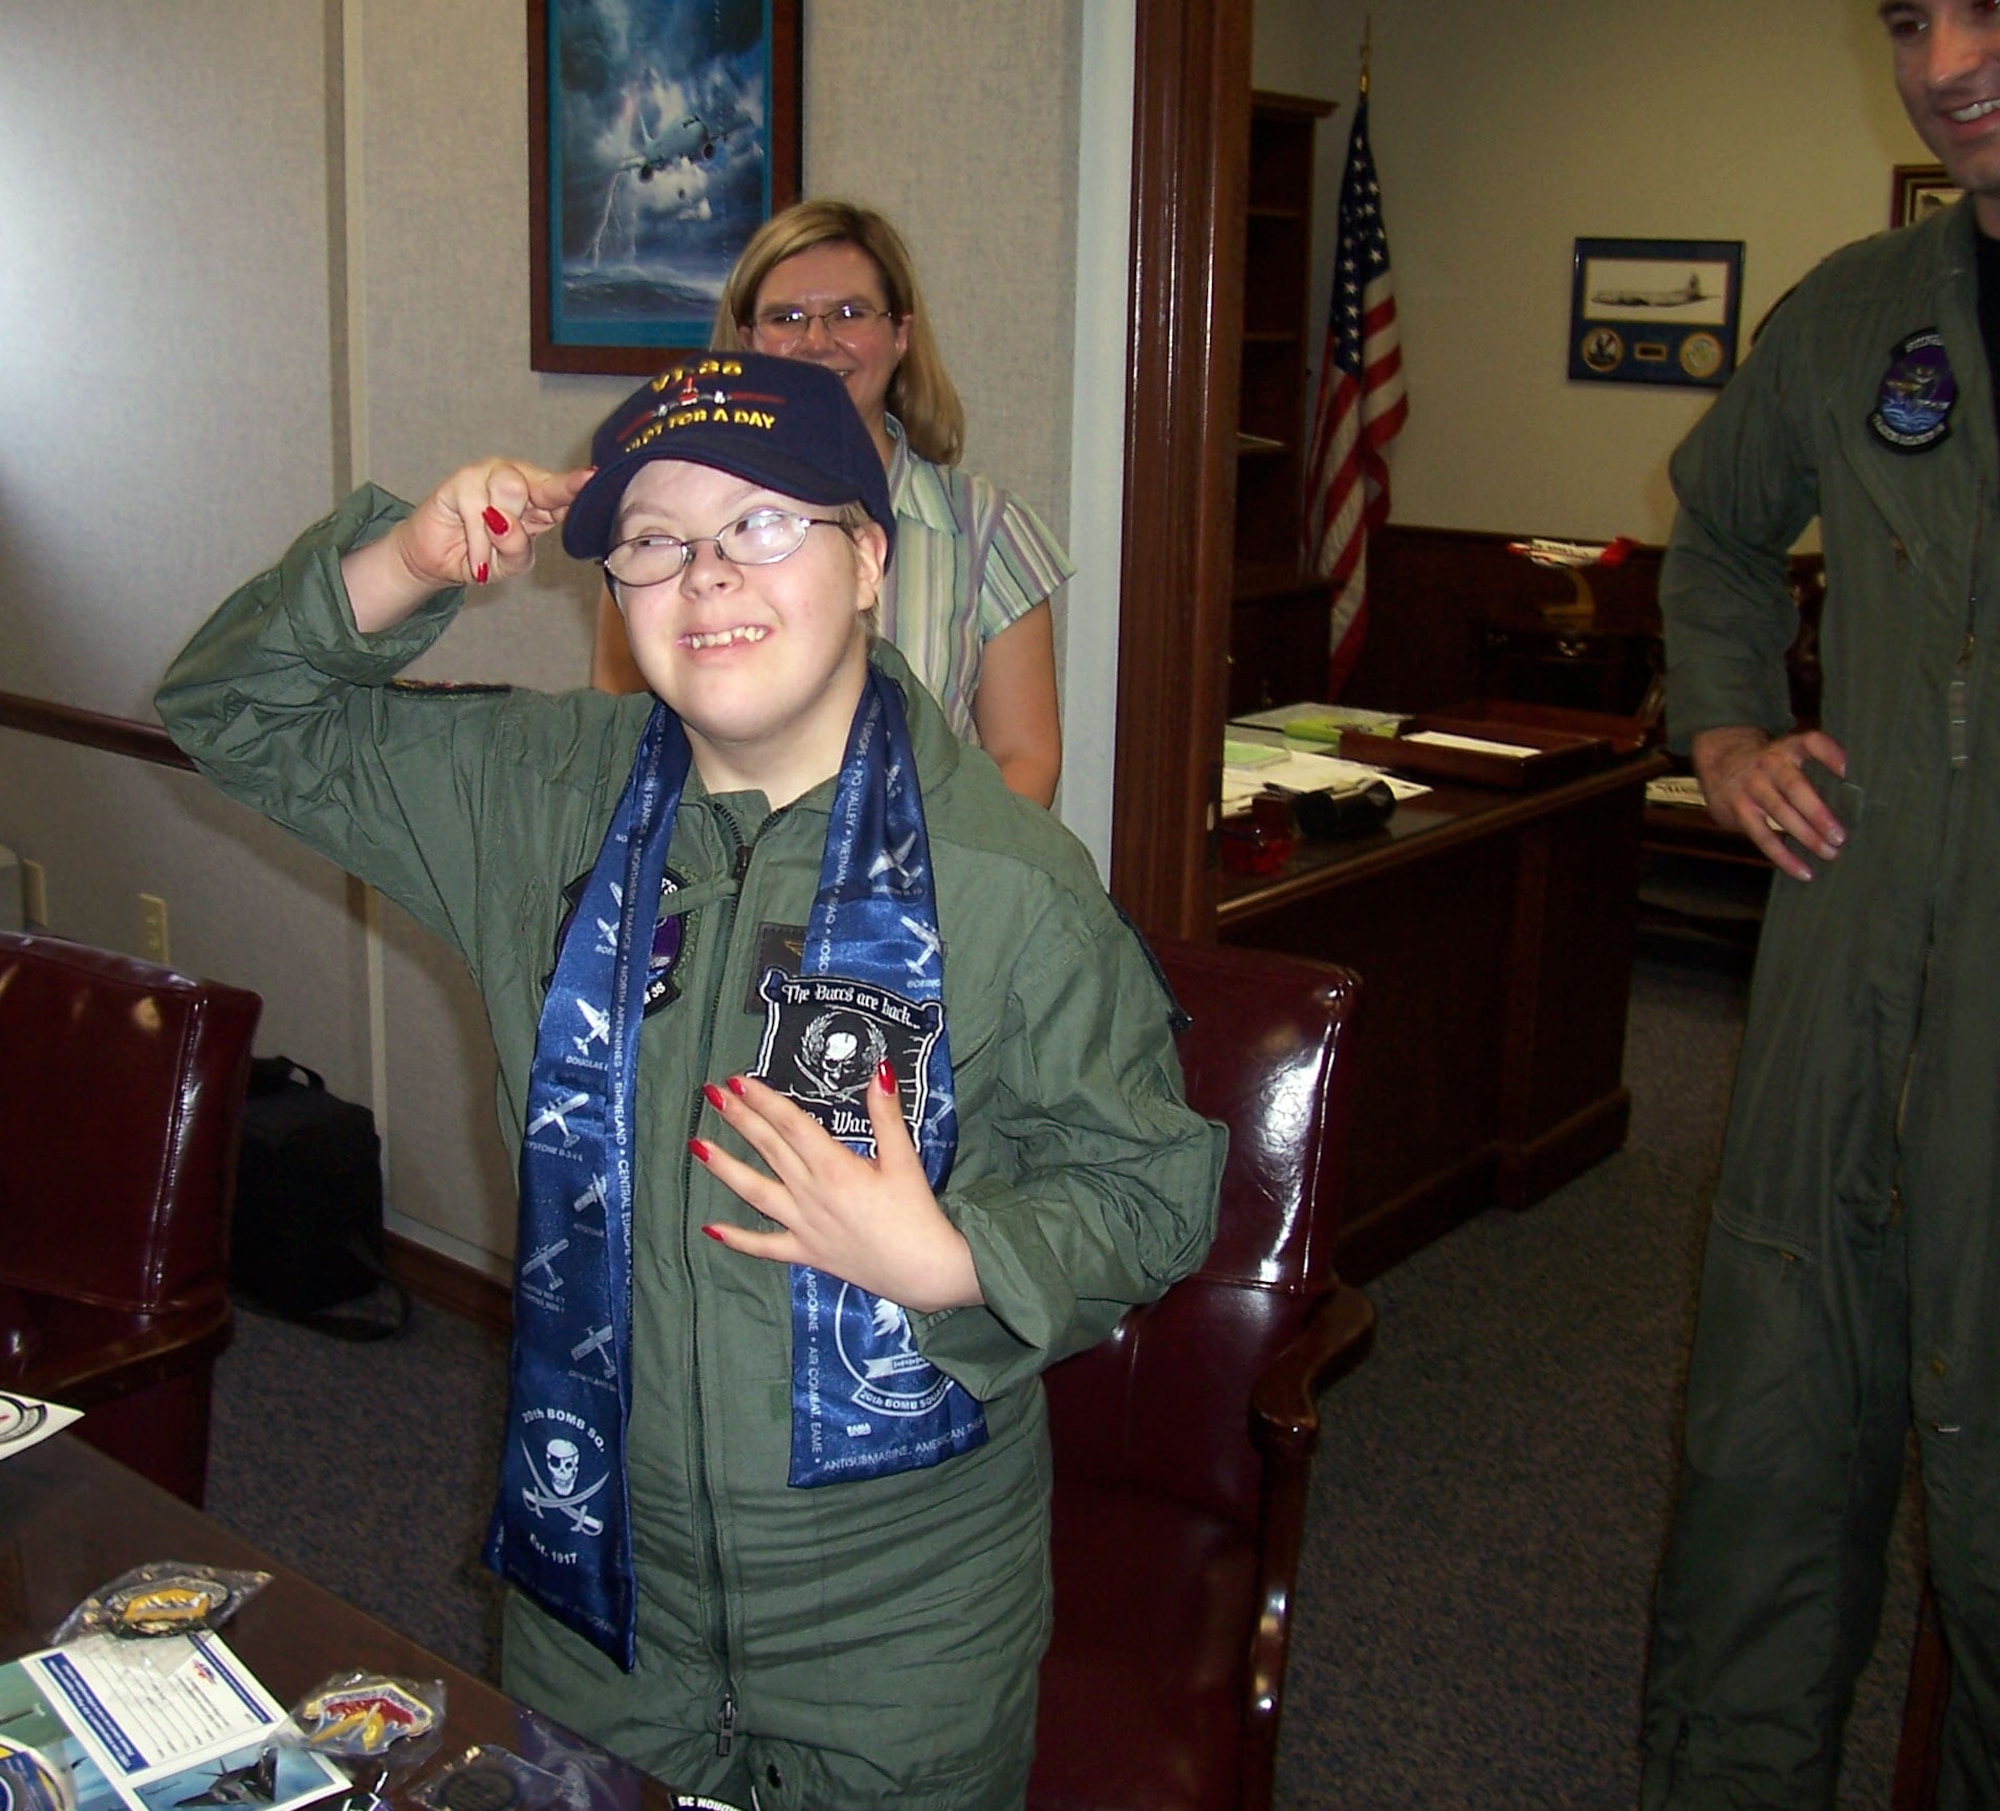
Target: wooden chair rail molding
{"x":91,"y":729}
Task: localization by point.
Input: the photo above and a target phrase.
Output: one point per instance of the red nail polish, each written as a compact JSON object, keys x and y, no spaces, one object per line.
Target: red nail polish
{"x":479,"y":573}
{"x":736,"y":1084}
{"x":716,"y":1236}
{"x":715,"y":1097}
{"x":495,"y":520}
{"x":700,"y":1150}
{"x":885,"y":1076}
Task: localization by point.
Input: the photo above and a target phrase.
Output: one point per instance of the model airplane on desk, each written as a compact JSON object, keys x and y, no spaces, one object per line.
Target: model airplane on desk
{"x":1573,"y":553}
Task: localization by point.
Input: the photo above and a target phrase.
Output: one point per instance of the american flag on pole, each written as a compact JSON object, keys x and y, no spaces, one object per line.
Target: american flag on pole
{"x":1360,"y":409}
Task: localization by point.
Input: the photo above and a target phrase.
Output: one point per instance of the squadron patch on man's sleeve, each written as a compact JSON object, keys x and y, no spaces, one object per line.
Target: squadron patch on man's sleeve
{"x":1913,"y":408}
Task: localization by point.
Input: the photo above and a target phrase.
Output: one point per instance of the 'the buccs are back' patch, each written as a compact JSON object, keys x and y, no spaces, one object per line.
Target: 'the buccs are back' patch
{"x":824,"y":1038}
{"x":1912,"y":410}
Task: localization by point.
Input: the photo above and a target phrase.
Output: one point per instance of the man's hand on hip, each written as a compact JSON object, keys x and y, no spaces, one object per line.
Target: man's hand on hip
{"x":1758,"y":785}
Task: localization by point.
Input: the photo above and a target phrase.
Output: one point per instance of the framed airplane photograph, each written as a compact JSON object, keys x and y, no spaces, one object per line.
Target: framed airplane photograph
{"x":1655,"y":311}
{"x":661,"y":135}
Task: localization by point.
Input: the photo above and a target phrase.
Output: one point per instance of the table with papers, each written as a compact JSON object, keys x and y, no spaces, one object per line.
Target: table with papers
{"x":1493,"y":933}
{"x":71,"y":1520}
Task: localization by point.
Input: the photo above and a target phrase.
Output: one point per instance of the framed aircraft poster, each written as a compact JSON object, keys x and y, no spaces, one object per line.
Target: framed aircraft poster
{"x":661,"y":135}
{"x":1655,"y":311}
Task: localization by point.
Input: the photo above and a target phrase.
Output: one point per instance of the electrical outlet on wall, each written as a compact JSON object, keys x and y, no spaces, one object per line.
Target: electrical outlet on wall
{"x":153,"y":928}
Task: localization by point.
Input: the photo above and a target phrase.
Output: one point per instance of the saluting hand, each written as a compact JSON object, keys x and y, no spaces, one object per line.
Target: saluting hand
{"x":479,"y":525}
{"x":871,"y":1222}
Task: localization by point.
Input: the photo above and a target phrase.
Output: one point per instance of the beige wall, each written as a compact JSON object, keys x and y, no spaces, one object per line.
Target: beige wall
{"x":164,"y":422}
{"x":1504,"y":134}
{"x":178,"y":375}
{"x":244,"y":240}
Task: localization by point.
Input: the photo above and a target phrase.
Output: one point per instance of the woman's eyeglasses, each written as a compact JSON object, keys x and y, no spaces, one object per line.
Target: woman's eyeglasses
{"x":787,"y":326}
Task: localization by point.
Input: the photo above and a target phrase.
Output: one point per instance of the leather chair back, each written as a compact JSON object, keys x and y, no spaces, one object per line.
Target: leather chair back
{"x":1181,"y":1442}
{"x":1160,"y":1406}
{"x":121,"y":1097}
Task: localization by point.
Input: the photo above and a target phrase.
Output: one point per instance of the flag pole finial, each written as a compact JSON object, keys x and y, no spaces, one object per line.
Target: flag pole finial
{"x":1367,"y":49}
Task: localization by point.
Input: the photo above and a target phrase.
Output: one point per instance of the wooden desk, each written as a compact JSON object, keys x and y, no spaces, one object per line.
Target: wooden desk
{"x":71,"y":1520}
{"x":1699,"y":879}
{"x":1493,"y":932}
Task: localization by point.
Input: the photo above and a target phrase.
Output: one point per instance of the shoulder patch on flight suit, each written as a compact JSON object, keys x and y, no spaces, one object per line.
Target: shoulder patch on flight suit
{"x":1913,"y":408}
{"x":671,"y":935}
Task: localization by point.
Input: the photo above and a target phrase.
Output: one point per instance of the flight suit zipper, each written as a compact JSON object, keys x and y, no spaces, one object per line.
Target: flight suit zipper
{"x":739,"y":871}
{"x":725,"y":1715}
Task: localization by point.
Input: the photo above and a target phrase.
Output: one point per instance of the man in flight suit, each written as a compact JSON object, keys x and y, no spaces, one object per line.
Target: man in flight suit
{"x":1852,"y":1279}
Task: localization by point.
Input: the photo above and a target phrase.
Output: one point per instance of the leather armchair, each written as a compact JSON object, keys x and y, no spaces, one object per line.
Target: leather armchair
{"x":1181,"y":1444}
{"x":121,"y":1099}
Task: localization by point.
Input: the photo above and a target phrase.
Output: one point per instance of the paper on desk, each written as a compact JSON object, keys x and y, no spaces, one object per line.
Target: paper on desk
{"x":1329,"y":773}
{"x":1320,"y":722}
{"x":1252,"y":755}
{"x":1478,"y":745}
{"x":165,"y":1724}
{"x":1675,"y":789}
{"x":26,"y":1422}
{"x":1298,"y":772}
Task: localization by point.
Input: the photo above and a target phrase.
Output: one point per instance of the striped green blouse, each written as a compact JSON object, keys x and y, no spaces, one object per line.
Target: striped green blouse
{"x":969,"y":561}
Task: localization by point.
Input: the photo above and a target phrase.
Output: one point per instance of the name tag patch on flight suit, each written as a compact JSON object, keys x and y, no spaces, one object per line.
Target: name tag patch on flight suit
{"x":1912,"y":410}
{"x":778,"y":946}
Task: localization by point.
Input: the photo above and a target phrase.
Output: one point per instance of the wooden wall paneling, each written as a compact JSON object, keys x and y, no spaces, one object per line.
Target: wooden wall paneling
{"x":1436,"y":596}
{"x":1455,"y":616}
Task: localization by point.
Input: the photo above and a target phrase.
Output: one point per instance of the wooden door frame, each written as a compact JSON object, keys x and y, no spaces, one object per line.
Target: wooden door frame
{"x":1190,"y":153}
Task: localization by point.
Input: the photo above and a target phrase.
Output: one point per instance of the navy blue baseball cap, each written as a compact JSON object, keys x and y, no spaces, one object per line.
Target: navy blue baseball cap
{"x":777,"y":422}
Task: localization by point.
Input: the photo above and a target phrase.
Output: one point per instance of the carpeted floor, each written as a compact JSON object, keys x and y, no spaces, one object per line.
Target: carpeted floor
{"x":370,"y":1468}
{"x":1488,"y":1506}
{"x":1491,"y":1492}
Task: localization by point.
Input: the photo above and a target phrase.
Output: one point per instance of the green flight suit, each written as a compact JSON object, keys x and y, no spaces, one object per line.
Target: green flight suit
{"x":861,"y":1643}
{"x":1852,"y":1275}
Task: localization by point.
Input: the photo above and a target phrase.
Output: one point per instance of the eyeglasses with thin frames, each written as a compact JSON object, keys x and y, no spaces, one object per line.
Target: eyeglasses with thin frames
{"x":847,"y":321}
{"x":762,"y":538}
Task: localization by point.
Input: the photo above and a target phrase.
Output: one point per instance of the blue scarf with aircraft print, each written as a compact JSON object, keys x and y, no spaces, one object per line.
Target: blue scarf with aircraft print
{"x":870,"y":988}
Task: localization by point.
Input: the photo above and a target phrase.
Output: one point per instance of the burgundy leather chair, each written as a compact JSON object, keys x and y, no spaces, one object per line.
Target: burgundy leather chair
{"x":1182,"y":1442}
{"x":121,"y":1098}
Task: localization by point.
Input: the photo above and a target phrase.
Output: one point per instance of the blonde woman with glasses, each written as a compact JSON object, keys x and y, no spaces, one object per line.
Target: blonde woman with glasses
{"x":967,"y":597}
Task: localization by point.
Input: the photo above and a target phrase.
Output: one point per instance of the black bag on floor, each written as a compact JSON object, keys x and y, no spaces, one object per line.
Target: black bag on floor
{"x":307,"y":1233}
